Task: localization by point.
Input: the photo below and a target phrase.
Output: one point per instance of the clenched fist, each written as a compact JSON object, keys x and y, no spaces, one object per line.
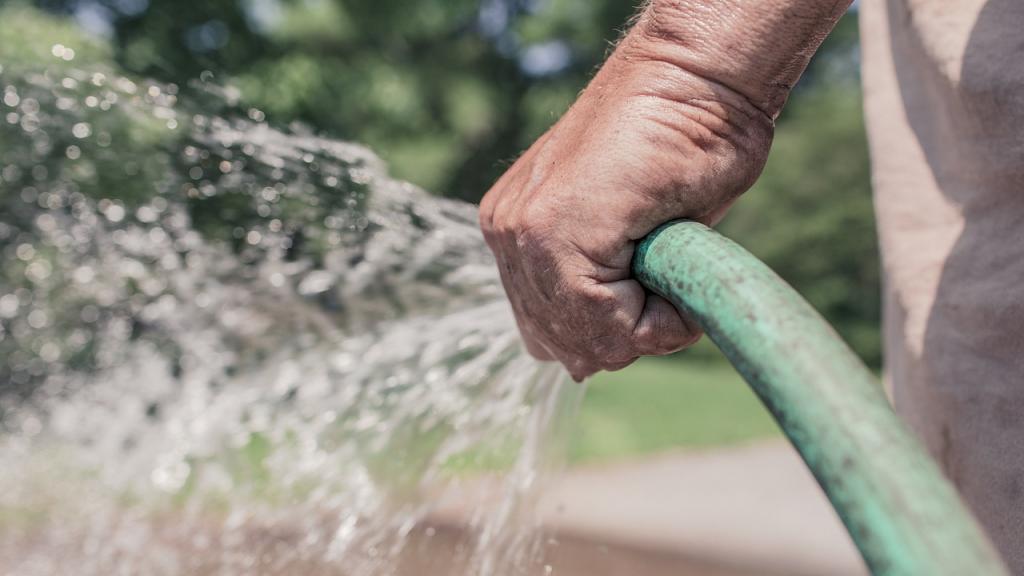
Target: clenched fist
{"x":665,"y":130}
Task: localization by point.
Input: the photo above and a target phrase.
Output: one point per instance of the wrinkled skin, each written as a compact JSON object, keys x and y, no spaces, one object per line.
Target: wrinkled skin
{"x":676,"y":124}
{"x":645,"y":143}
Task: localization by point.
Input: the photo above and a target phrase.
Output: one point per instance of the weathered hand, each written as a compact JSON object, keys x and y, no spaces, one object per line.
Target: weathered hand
{"x":648,"y":141}
{"x":676,"y":124}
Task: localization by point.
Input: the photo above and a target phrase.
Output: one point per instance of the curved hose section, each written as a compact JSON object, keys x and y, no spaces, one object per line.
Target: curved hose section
{"x":903,"y":515}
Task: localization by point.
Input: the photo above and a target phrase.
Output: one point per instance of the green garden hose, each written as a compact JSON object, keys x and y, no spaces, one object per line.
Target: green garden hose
{"x":903,"y":515}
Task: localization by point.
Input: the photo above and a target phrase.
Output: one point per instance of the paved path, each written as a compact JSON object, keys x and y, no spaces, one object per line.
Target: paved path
{"x":752,"y":510}
{"x":753,"y":506}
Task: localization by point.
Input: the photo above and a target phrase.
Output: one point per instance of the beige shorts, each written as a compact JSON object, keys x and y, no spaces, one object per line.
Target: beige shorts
{"x":944,"y":97}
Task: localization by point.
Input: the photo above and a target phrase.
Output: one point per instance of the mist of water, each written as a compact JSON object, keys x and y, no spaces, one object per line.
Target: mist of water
{"x":232,"y":348}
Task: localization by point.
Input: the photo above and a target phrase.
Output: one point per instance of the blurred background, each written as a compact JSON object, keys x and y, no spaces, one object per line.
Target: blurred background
{"x":448,"y":92}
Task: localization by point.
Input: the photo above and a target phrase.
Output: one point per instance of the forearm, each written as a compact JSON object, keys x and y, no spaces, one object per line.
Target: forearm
{"x":757,"y":48}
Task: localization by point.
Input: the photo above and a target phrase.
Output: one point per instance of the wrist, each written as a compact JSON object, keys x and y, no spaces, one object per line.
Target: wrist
{"x":756,"y":49}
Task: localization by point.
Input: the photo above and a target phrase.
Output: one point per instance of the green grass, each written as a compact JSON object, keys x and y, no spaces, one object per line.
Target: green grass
{"x":659,"y":404}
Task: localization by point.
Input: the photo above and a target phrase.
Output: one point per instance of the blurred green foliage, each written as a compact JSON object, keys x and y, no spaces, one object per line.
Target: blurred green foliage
{"x":810,"y":215}
{"x":654,"y":406}
{"x":450,"y":91}
{"x":445,"y":90}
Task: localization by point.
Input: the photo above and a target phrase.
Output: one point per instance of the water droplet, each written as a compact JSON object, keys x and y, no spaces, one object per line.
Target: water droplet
{"x":25,"y":252}
{"x":30,"y":124}
{"x":171,"y":475}
{"x":90,"y":314}
{"x":38,"y":319}
{"x":81,"y":130}
{"x":49,"y":352}
{"x":31,"y":425}
{"x":63,"y":52}
{"x":202,"y":300}
{"x":9,"y":305}
{"x":146,"y":214}
{"x":83,"y":275}
{"x":125,"y":85}
{"x":38,"y":271}
{"x":114,"y":213}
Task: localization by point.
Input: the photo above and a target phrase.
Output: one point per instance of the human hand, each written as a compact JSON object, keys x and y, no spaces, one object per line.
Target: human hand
{"x":676,"y":124}
{"x":645,"y":143}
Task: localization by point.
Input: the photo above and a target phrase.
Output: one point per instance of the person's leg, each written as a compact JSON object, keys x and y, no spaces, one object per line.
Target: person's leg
{"x":944,"y":98}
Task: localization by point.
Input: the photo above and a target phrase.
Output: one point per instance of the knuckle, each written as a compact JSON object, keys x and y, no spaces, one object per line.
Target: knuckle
{"x":528,"y":239}
{"x":599,"y":302}
{"x":536,"y":212}
{"x":646,"y":334}
{"x":485,"y":215}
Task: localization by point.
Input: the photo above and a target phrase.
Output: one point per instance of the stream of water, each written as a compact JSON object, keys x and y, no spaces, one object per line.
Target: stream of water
{"x":233,"y":348}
